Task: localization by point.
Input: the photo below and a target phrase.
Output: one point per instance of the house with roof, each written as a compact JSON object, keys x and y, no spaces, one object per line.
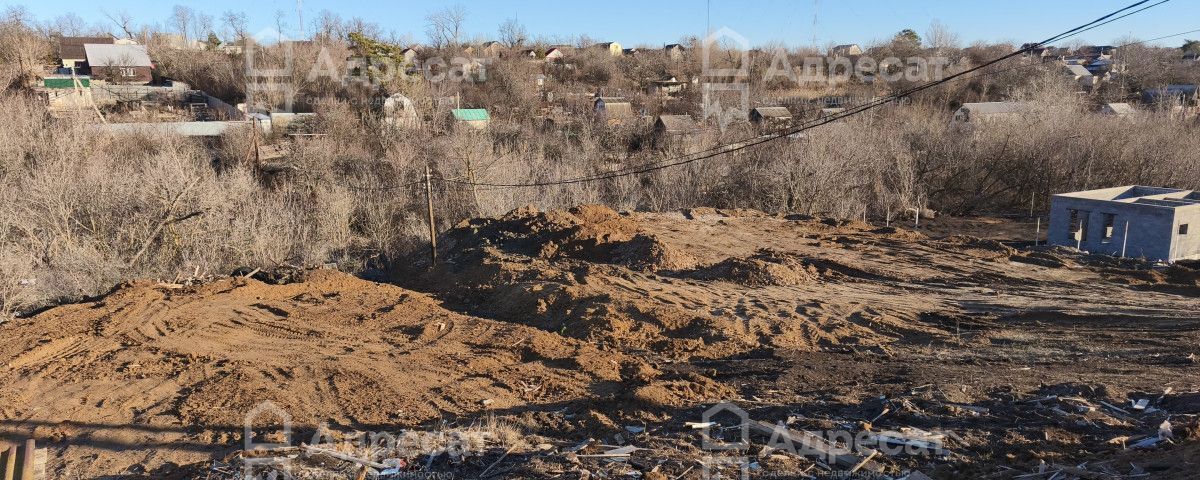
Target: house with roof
{"x":1101,"y":67}
{"x":847,"y":50}
{"x":613,"y":110}
{"x":1130,"y":221}
{"x":1172,"y":95}
{"x":1084,"y":78}
{"x":613,"y":48}
{"x":675,"y":50}
{"x":1118,"y":110}
{"x":492,"y":49}
{"x":1094,"y":52}
{"x":555,"y":54}
{"x":119,"y":63}
{"x":477,"y":118}
{"x":770,"y":116}
{"x":409,"y":55}
{"x":675,"y":125}
{"x":666,"y":87}
{"x":70,"y":52}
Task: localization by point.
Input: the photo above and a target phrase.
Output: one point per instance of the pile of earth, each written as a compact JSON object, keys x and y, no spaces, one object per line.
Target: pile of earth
{"x":977,"y":247}
{"x":1180,"y":277}
{"x":768,"y":267}
{"x":176,"y":370}
{"x":765,"y":267}
{"x":629,"y":280}
{"x":592,"y":233}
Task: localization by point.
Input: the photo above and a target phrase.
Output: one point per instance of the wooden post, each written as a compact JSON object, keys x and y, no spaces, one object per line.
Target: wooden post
{"x":1081,"y":233}
{"x":27,"y":460}
{"x":1125,"y":239}
{"x":1037,"y":233}
{"x":10,"y":463}
{"x":432,"y":225}
{"x":887,"y":219}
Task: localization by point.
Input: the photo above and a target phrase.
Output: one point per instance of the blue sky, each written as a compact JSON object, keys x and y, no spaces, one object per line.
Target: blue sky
{"x":633,"y":22}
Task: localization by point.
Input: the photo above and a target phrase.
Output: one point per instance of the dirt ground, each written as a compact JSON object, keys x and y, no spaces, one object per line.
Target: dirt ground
{"x":618,"y":328}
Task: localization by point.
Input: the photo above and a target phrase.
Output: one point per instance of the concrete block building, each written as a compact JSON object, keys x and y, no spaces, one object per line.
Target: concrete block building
{"x":1134,"y":221}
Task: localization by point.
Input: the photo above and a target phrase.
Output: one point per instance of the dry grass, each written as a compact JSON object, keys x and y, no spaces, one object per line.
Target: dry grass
{"x":90,"y":210}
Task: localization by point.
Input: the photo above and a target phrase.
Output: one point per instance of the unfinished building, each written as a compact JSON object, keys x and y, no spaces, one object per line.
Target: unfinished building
{"x":1134,"y":221}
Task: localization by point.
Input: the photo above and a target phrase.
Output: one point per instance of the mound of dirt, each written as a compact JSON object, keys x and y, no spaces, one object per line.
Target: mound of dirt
{"x":1186,"y":274}
{"x":173,"y":367}
{"x":593,"y":233}
{"x":765,"y":267}
{"x":1040,"y":258}
{"x":680,"y":392}
{"x":979,"y":247}
{"x":1178,"y":277}
{"x":700,"y":212}
{"x":769,"y":267}
{"x":902,"y":234}
{"x":647,"y":252}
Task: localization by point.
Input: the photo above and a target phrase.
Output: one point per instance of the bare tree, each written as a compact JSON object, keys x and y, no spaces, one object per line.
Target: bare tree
{"x":357,"y":24}
{"x":330,"y":26}
{"x":445,"y":27}
{"x":202,"y":25}
{"x":123,"y":20}
{"x":181,"y":19}
{"x":70,"y":24}
{"x":236,"y":22}
{"x":940,"y":37}
{"x":21,"y":47}
{"x":512,"y":33}
{"x":280,"y":23}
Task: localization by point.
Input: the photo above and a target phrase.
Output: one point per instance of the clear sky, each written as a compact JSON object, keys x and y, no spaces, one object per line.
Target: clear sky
{"x":634,"y":22}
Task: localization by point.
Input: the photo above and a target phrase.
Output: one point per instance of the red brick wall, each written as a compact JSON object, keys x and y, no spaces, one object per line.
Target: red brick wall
{"x":136,"y":75}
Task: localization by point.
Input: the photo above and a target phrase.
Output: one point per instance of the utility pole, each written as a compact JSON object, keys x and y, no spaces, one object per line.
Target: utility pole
{"x":432,"y":226}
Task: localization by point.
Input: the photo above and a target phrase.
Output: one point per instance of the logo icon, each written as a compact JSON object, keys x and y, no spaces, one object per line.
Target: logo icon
{"x":725,"y":79}
{"x":728,"y":455}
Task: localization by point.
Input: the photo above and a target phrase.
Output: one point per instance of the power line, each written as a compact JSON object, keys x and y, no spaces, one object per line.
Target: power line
{"x":785,"y":132}
{"x":1130,"y":44}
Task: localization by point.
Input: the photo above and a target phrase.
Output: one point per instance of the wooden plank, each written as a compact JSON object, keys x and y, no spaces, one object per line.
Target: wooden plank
{"x":27,"y":472}
{"x":10,"y":463}
{"x":40,"y":457}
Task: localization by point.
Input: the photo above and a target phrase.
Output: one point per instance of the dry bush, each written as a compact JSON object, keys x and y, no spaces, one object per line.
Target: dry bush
{"x":90,"y":210}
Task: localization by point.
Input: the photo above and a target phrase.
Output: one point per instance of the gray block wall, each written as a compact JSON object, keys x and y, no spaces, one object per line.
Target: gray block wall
{"x":1187,"y":247}
{"x":1151,"y":228}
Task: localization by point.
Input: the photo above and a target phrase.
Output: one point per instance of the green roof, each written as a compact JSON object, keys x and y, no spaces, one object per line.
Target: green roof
{"x":65,"y":82}
{"x":471,"y":114}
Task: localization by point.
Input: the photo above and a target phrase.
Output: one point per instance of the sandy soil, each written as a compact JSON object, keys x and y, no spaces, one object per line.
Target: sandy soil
{"x":575,"y":324}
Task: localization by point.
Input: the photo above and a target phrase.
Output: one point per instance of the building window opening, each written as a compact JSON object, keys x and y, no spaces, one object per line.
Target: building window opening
{"x":1183,"y":229}
{"x":1073,"y":226}
{"x":1109,"y":220}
